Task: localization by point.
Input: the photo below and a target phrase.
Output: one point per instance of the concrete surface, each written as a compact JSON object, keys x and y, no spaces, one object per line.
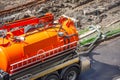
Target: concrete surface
{"x":105,"y":61}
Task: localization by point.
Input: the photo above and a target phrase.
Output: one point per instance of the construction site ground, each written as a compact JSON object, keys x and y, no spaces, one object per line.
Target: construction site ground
{"x":88,"y":12}
{"x":106,"y":57}
{"x":105,"y":61}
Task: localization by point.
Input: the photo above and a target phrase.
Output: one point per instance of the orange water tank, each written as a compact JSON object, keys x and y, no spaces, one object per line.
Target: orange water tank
{"x":40,"y":44}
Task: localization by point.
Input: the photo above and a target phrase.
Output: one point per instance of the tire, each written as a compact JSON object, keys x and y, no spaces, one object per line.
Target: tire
{"x":51,"y":77}
{"x":71,"y":73}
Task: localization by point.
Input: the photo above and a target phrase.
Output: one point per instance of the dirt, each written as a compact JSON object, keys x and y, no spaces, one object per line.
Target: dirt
{"x":12,"y":3}
{"x":88,"y":12}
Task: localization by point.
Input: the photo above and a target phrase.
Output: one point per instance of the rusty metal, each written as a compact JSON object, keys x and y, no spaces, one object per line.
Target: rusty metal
{"x":31,"y":4}
{"x":22,"y":7}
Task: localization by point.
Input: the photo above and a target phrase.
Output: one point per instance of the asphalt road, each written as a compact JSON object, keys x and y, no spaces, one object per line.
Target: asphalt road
{"x":105,"y":62}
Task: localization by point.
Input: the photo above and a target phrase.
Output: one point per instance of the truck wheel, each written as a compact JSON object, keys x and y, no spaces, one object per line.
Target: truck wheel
{"x":71,"y":73}
{"x":51,"y":77}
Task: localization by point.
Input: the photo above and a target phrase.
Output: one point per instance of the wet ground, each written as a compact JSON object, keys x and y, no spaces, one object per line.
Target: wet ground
{"x":105,"y":62}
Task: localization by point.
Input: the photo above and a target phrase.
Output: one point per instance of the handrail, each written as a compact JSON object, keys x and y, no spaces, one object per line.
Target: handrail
{"x":37,"y":57}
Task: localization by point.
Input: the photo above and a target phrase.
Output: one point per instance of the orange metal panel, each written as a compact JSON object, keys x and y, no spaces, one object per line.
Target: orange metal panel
{"x":36,"y":43}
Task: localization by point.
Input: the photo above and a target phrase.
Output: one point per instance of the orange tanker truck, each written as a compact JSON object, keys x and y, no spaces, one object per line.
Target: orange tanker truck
{"x":38,"y":48}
